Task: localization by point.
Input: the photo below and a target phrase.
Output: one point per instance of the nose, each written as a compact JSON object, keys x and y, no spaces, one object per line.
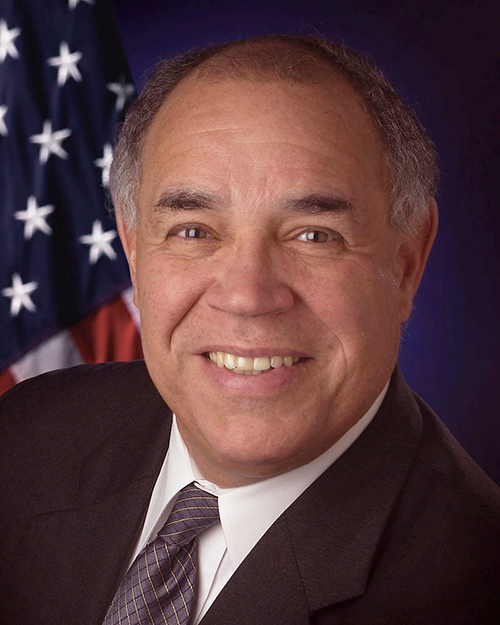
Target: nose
{"x":251,"y":283}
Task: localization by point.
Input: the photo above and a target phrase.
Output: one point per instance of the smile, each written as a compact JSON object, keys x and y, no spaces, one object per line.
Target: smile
{"x":251,"y":366}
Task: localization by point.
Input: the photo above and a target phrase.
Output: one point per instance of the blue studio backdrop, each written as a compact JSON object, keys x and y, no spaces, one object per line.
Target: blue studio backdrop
{"x":443,"y":58}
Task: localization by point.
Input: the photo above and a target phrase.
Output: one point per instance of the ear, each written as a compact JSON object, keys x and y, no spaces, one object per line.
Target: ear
{"x":412,"y":257}
{"x":128,"y":238}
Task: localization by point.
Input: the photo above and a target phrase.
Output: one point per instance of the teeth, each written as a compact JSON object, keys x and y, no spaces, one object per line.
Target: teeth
{"x":261,"y":364}
{"x":244,"y":364}
{"x":251,"y":366}
{"x":230,"y":361}
{"x":276,"y":361}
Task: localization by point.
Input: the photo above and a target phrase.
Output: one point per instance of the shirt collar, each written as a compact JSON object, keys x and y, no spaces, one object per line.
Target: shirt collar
{"x":247,"y":512}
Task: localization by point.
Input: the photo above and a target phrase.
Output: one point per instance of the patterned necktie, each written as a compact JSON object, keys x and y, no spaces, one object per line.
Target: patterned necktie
{"x":159,"y":586}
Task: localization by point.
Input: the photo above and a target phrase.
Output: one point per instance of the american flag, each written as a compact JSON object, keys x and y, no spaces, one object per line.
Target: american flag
{"x":65,"y":295}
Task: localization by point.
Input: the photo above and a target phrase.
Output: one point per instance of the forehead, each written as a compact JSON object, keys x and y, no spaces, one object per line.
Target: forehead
{"x":319,"y":132}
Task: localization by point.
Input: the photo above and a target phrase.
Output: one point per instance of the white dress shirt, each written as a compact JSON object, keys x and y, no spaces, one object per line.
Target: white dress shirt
{"x":246,"y":512}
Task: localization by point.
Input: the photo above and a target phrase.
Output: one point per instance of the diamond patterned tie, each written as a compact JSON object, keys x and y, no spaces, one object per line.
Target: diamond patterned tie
{"x":159,"y":586}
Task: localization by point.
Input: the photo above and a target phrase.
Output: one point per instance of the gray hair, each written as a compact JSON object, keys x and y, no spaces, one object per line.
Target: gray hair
{"x":410,"y":160}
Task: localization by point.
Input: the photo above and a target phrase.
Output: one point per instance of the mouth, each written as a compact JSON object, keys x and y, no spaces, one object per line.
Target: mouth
{"x":243,"y":365}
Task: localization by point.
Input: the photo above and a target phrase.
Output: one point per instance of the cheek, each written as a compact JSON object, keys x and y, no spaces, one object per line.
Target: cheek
{"x":167,"y":291}
{"x":356,"y":301}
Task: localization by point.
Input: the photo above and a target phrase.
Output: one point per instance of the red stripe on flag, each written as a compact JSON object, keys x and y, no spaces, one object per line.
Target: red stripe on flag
{"x":6,"y":381}
{"x":108,"y":334}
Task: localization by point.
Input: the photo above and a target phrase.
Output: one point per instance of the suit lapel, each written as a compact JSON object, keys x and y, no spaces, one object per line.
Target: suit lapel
{"x":84,"y":557}
{"x":122,"y":491}
{"x":321,"y":550}
{"x":97,"y":535}
{"x":266,"y":588}
{"x":345,"y":512}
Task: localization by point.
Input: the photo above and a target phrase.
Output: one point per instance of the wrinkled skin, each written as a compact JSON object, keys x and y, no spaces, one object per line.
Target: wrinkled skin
{"x":263,"y":231}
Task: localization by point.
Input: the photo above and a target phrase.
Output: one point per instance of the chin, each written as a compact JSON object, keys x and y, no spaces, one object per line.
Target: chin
{"x":259,"y":450}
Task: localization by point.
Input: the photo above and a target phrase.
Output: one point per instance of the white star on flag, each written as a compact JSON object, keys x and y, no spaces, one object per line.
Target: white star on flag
{"x":105,"y":163}
{"x":73,"y":3}
{"x":20,"y":295}
{"x":3,"y":128}
{"x":50,"y":142}
{"x":7,"y":46}
{"x":66,"y":62}
{"x":100,"y":242}
{"x":123,"y":90}
{"x":34,"y":218}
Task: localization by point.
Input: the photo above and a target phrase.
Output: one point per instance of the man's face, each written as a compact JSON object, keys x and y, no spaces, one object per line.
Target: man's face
{"x":263,"y":234}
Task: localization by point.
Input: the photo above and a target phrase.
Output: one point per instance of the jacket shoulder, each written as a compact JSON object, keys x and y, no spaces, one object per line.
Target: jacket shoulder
{"x":51,"y":423}
{"x":75,"y":391}
{"x":441,"y":545}
{"x":73,"y":408}
{"x":442,"y":461}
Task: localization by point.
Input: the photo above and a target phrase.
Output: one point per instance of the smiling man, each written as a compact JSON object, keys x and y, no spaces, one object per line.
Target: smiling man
{"x":275,"y":200}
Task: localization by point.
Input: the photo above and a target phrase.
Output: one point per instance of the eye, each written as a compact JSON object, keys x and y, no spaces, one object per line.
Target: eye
{"x":190,"y":232}
{"x":316,"y":236}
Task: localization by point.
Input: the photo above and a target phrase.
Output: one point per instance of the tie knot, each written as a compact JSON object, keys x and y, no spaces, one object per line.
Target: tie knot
{"x":194,"y":511}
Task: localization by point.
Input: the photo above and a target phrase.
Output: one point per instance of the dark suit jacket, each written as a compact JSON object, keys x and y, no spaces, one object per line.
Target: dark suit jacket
{"x":403,"y":529}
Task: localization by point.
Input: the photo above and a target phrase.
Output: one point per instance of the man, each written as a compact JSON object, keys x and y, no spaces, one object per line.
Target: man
{"x":275,"y":200}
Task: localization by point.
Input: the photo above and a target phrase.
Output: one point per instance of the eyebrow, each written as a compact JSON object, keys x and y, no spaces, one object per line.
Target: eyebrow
{"x":185,"y":200}
{"x":319,"y":203}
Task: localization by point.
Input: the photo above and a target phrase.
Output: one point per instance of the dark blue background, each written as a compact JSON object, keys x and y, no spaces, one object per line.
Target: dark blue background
{"x":443,"y":58}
